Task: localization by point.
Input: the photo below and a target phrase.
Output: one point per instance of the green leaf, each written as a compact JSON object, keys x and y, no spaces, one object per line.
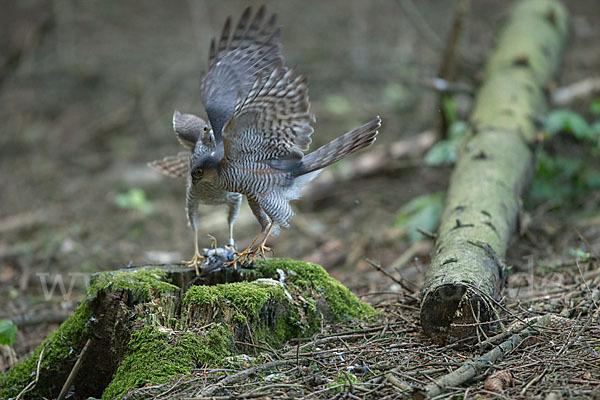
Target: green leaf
{"x":446,"y":151}
{"x":595,"y":107}
{"x":449,"y":109}
{"x":457,"y":130}
{"x":579,"y":253}
{"x":569,"y":121}
{"x":595,"y":127}
{"x":423,"y":212}
{"x":8,"y":330}
{"x":559,"y":178}
{"x":592,"y":178}
{"x":134,"y":199}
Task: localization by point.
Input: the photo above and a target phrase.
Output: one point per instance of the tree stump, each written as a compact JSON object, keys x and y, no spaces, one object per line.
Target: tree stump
{"x":146,"y":325}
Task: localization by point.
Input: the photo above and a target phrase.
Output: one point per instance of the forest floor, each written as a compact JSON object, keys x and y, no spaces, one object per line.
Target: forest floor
{"x":89,"y":103}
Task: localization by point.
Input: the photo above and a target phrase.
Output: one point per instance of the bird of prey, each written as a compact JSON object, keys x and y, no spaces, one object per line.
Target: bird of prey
{"x":263,"y":154}
{"x":240,"y":56}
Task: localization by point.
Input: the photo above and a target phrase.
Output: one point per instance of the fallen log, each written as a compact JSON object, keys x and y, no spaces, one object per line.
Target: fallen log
{"x":495,"y":163}
{"x":147,"y":325}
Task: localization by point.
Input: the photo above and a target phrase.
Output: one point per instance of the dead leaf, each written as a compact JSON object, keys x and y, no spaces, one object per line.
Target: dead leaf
{"x":498,"y":381}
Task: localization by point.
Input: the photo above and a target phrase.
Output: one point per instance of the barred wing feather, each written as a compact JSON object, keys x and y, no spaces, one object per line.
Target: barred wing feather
{"x":273,"y":122}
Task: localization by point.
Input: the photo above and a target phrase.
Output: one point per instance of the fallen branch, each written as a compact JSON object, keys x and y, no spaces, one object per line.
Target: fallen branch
{"x":404,"y":285}
{"x":231,"y":379}
{"x":35,"y":319}
{"x":74,"y":371}
{"x":476,"y":366}
{"x":583,"y":89}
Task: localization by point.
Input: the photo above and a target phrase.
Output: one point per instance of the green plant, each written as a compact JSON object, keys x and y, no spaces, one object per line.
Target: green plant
{"x":560,"y":178}
{"x":422,"y":212}
{"x":568,"y":121}
{"x":8,"y":330}
{"x":134,"y":199}
{"x":446,"y":151}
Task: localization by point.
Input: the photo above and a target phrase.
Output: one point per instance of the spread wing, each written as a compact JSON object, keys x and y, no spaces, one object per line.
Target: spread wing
{"x":188,"y":128}
{"x":236,"y":61}
{"x":272,"y":123}
{"x":173,"y":166}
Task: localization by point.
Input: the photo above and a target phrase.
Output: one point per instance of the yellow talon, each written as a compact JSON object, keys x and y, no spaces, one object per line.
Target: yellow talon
{"x":213,"y":241}
{"x":195,"y":261}
{"x":250,"y":252}
{"x":241,"y":258}
{"x":198,"y":258}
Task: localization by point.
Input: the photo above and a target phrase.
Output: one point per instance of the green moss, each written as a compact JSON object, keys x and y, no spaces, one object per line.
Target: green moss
{"x":143,"y":284}
{"x":246,"y":304}
{"x":63,"y":344}
{"x":287,"y":328}
{"x":310,"y":278}
{"x":247,"y":298}
{"x":219,"y":341}
{"x":157,"y":356}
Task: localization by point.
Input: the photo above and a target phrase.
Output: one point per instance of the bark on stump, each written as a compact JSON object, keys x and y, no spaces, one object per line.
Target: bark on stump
{"x":495,"y":164}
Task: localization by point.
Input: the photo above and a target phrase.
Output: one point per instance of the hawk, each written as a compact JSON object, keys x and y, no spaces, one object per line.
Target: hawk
{"x":262,"y":156}
{"x":236,"y":61}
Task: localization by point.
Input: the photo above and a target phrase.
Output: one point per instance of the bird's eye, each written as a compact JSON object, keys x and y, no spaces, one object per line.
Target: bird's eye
{"x":205,"y":129}
{"x":198,"y":173}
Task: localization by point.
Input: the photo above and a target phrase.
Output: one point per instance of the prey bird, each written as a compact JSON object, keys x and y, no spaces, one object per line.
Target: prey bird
{"x":262,"y":156}
{"x":235,"y":63}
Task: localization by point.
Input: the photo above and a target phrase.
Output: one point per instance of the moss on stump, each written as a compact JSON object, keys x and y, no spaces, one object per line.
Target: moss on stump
{"x":143,"y":330}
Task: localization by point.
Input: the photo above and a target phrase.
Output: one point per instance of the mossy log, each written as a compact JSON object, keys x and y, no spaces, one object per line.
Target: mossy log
{"x":147,"y":325}
{"x":494,"y":166}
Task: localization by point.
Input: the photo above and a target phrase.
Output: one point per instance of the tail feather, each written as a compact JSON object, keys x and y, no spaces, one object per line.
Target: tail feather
{"x":339,"y":148}
{"x":173,"y":166}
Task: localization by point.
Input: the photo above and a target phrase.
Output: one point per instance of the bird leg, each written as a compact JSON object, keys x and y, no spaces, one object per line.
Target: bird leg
{"x":261,"y":247}
{"x":234,"y":208}
{"x":252,"y":252}
{"x":266,"y":224}
{"x":241,"y":257}
{"x":198,"y":258}
{"x":230,"y":242}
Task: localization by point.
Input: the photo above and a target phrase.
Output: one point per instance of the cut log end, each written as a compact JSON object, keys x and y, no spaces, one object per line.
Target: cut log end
{"x":452,"y":312}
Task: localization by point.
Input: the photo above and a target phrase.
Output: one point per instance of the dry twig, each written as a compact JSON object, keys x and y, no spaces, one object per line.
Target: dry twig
{"x":73,"y":373}
{"x":34,"y":382}
{"x":473,"y":367}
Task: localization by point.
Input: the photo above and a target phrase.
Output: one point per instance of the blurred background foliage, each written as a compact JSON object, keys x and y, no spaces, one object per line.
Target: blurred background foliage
{"x":88,"y":88}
